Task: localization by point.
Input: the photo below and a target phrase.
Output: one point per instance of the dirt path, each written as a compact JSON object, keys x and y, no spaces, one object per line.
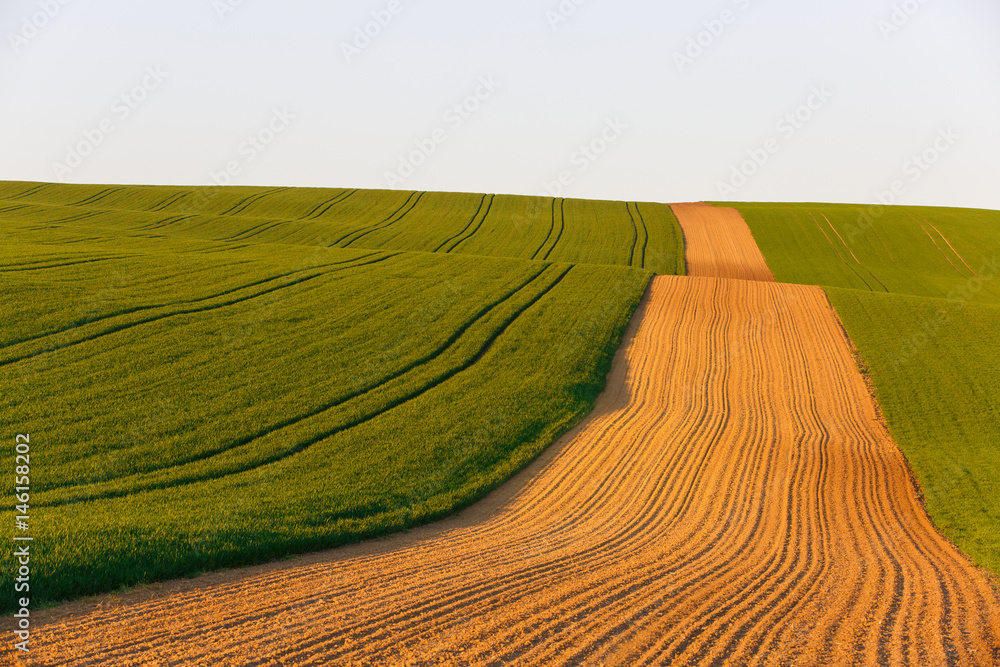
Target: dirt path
{"x":719,"y":243}
{"x":733,"y":500}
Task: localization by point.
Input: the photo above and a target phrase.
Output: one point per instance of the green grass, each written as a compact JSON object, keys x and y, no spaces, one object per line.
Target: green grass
{"x":921,"y":301}
{"x":197,"y":403}
{"x":642,"y":235}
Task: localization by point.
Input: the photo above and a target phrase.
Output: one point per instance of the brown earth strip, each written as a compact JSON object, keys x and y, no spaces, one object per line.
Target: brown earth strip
{"x":719,"y":243}
{"x":733,"y":500}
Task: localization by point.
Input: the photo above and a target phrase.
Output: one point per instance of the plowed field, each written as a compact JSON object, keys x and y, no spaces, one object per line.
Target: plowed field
{"x":733,"y":499}
{"x":719,"y":243}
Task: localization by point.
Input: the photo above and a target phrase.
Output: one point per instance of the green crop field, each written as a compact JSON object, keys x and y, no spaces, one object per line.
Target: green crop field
{"x":633,"y":234}
{"x":918,"y":290}
{"x":217,"y":377}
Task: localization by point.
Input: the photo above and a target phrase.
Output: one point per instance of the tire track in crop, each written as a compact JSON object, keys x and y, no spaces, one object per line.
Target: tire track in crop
{"x":848,"y":248}
{"x":475,"y":215}
{"x":169,"y":201}
{"x":562,"y":227}
{"x":323,"y":433}
{"x":158,"y":306}
{"x":472,"y":233}
{"x":321,"y":209}
{"x":552,"y":228}
{"x":635,"y":234}
{"x":397,"y":215}
{"x":15,"y":207}
{"x":719,"y":243}
{"x":27,"y":193}
{"x":975,"y":275}
{"x":81,"y":216}
{"x":88,"y":337}
{"x":95,"y":198}
{"x":249,"y":201}
{"x":839,"y":254}
{"x":732,"y":500}
{"x":10,"y":269}
{"x":645,"y":234}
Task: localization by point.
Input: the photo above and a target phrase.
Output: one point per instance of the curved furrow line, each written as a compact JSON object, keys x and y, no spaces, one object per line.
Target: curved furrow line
{"x":256,"y":231}
{"x":949,"y":586}
{"x":252,"y":199}
{"x":401,"y":213}
{"x":983,"y":283}
{"x":552,"y":228}
{"x":467,"y":225}
{"x":82,"y":216}
{"x":645,"y":234}
{"x":216,"y":295}
{"x":15,"y":207}
{"x":28,"y":192}
{"x":406,"y":203}
{"x":848,"y":248}
{"x":759,"y":584}
{"x":94,"y":198}
{"x":322,"y":209}
{"x":827,"y":525}
{"x":805,"y":419}
{"x":237,"y":235}
{"x":635,"y":235}
{"x":562,"y":226}
{"x":166,"y":222}
{"x":839,"y":254}
{"x":189,"y":311}
{"x":168,"y":201}
{"x":945,"y":239}
{"x":57,"y":266}
{"x":941,"y":250}
{"x":489,"y":208}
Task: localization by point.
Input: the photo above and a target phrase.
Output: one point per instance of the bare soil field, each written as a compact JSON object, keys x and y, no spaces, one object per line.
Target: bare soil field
{"x":733,"y":500}
{"x":719,"y":243}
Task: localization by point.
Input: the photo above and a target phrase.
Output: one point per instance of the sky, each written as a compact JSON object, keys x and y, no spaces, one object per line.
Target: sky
{"x":856,"y":101}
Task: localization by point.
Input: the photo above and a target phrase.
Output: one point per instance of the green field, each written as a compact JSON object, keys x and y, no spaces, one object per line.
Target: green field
{"x":918,"y":290}
{"x":633,"y":234}
{"x":289,"y":370}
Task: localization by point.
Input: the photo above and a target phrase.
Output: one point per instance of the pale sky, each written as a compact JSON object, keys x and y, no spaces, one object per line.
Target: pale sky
{"x":666,"y":120}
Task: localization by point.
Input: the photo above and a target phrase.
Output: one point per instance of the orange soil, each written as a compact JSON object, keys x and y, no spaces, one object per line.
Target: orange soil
{"x":733,"y":500}
{"x":719,"y":243}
